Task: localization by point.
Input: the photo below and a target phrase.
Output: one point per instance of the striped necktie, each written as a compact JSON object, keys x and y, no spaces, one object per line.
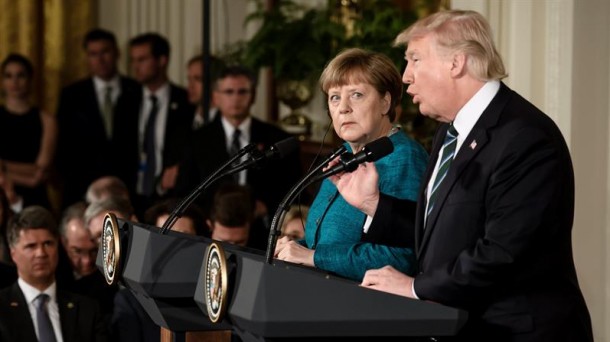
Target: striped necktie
{"x":446,"y":159}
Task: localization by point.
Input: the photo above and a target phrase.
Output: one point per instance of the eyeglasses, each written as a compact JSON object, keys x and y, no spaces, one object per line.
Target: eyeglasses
{"x":240,"y":91}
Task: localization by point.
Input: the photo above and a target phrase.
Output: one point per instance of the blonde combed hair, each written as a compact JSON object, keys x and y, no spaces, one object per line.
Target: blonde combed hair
{"x":461,"y":31}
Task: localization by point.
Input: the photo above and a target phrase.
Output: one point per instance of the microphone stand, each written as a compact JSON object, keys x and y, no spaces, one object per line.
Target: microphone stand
{"x":283,"y":207}
{"x":193,"y":195}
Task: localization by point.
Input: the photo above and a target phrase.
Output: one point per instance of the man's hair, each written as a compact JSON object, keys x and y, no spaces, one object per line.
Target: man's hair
{"x":214,"y":69}
{"x":233,"y":205}
{"x":358,"y":65}
{"x":117,"y":204}
{"x":107,"y":186}
{"x":19,"y":59}
{"x":33,"y":217}
{"x":237,"y":71}
{"x":192,"y":212}
{"x":460,"y":31}
{"x":75,"y":211}
{"x":159,"y":46}
{"x":98,"y":34}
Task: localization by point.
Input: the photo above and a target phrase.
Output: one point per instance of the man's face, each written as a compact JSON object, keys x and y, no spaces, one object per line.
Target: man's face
{"x":194,"y":75}
{"x":35,"y":255}
{"x":428,"y":76}
{"x":102,"y":57}
{"x":96,"y":226}
{"x":233,"y":235}
{"x":146,"y":68}
{"x":233,"y":97}
{"x":80,"y":246}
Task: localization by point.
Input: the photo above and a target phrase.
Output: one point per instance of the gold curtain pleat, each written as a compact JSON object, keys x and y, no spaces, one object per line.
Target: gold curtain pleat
{"x":49,"y":33}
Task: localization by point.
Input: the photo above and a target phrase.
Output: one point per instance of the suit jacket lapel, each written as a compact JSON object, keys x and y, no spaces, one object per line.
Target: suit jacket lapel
{"x":18,"y":314}
{"x":68,"y":316}
{"x":474,"y":142}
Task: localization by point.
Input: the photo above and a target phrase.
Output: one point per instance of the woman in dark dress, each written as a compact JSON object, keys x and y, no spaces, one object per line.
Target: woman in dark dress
{"x":27,"y":134}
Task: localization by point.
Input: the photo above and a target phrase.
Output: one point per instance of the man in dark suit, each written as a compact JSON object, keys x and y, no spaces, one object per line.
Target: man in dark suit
{"x":494,"y":216}
{"x":233,"y":129}
{"x":33,"y":308}
{"x":166,"y":118}
{"x":98,"y":119}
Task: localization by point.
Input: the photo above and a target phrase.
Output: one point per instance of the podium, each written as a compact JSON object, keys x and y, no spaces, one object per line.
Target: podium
{"x":166,"y":273}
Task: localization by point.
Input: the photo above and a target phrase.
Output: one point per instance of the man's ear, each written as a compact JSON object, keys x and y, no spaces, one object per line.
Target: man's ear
{"x":210,"y":224}
{"x":458,"y":64}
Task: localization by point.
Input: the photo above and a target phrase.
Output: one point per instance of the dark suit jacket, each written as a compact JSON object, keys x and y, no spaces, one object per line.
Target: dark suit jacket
{"x":498,"y":242}
{"x":80,"y":317}
{"x":84,"y":151}
{"x":207,"y":152}
{"x":130,"y":322}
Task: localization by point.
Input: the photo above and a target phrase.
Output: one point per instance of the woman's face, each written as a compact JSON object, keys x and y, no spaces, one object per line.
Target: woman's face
{"x":359,"y":112}
{"x":15,"y":80}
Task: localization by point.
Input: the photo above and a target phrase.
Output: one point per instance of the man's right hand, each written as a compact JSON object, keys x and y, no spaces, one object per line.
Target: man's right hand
{"x":360,"y":188}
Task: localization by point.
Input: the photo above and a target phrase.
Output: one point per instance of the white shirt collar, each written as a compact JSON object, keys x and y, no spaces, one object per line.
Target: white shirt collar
{"x":244,"y":127}
{"x":162,"y":93}
{"x":30,"y":293}
{"x":470,"y":113}
{"x":100,"y":84}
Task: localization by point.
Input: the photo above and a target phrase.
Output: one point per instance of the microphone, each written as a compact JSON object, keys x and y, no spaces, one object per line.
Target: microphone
{"x":258,"y":158}
{"x":349,"y":162}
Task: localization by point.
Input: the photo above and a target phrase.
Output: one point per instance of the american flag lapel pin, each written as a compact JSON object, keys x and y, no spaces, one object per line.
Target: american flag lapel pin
{"x":473,"y":144}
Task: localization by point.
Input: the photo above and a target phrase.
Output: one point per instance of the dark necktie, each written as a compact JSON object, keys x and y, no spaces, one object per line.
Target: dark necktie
{"x":148,"y":184}
{"x":235,"y":147}
{"x":107,"y":111}
{"x":446,"y":159}
{"x":45,"y":328}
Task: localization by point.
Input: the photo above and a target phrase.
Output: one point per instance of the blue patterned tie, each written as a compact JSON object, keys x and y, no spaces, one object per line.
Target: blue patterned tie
{"x":45,"y":328}
{"x":446,"y":159}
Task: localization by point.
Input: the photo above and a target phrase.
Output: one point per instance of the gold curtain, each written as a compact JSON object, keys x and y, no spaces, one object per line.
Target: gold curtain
{"x":49,"y":33}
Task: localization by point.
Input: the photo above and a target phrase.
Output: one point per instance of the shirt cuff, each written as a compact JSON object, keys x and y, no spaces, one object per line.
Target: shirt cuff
{"x":367,"y":224}
{"x":413,"y":289}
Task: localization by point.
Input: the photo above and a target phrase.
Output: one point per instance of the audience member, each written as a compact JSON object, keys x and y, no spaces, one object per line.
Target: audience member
{"x":98,"y":120}
{"x":363,"y":89}
{"x":104,"y":187}
{"x":81,"y":249}
{"x":231,"y":216}
{"x":5,"y":215}
{"x":233,"y":129}
{"x":34,"y":308}
{"x":293,"y":226}
{"x":27,"y":134}
{"x":96,"y":211}
{"x":166,"y":118}
{"x":194,"y":76}
{"x":493,"y":224}
{"x":191,"y":222}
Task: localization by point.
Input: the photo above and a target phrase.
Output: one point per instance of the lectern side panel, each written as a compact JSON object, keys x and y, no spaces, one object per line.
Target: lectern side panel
{"x":163,"y":265}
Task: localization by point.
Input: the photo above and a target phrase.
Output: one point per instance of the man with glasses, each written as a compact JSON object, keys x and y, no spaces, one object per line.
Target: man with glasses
{"x":234,"y":128}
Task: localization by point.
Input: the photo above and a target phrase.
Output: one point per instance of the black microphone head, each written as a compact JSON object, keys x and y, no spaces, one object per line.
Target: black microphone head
{"x":378,"y":149}
{"x":285,"y":147}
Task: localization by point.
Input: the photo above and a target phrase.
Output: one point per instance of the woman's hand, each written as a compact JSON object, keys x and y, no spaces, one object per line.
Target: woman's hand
{"x":289,"y":250}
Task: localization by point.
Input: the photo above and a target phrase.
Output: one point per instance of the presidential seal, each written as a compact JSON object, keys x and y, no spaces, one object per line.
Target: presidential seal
{"x":111,"y":248}
{"x":216,"y":278}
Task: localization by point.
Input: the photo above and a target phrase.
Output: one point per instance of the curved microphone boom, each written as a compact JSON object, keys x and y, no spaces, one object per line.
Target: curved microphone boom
{"x":192,"y":196}
{"x":348,"y":162}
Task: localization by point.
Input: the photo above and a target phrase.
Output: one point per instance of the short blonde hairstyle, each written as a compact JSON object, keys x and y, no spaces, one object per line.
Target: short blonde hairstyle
{"x":461,"y":31}
{"x":358,"y":65}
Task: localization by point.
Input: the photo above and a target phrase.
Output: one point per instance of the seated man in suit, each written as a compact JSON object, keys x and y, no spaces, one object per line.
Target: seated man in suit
{"x":231,"y":217}
{"x":97,"y":119}
{"x":165,"y":119}
{"x":234,"y":128}
{"x":33,"y":308}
